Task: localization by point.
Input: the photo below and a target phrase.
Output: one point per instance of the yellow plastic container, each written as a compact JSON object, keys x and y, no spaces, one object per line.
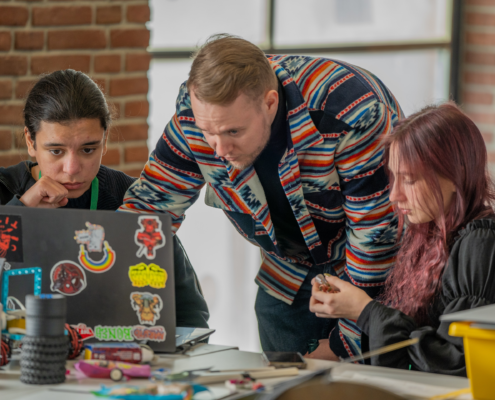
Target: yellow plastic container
{"x":479,"y":350}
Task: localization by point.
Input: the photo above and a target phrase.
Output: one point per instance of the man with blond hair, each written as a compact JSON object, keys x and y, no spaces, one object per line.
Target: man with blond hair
{"x":289,"y":147}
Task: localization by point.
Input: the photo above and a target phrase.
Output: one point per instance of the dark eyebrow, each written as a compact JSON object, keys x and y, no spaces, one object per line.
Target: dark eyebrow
{"x":62,"y":145}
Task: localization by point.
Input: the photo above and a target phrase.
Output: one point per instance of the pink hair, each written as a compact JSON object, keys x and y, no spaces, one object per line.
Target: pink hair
{"x":436,"y":141}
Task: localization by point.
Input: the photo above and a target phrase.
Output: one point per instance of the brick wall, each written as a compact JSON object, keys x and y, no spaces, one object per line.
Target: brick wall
{"x":105,"y":39}
{"x":478,"y":69}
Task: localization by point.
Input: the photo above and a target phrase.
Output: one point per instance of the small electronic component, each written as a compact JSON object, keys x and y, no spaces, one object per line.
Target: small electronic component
{"x":324,"y":286}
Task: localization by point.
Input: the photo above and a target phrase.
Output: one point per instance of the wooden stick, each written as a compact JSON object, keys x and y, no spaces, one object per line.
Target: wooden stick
{"x":382,"y":350}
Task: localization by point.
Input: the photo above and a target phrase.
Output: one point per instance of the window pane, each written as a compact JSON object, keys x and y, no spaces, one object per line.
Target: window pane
{"x":187,"y":23}
{"x":416,"y":78}
{"x":334,"y":22}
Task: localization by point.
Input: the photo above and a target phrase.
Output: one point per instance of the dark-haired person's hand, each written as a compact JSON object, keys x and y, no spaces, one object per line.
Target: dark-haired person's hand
{"x":46,"y":193}
{"x":348,"y":303}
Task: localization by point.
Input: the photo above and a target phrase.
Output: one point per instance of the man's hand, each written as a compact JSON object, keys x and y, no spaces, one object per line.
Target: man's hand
{"x":323,"y":352}
{"x":46,"y":193}
{"x":348,"y":303}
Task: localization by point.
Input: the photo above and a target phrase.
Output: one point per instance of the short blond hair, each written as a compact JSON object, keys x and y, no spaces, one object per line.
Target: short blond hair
{"x":226,"y":66}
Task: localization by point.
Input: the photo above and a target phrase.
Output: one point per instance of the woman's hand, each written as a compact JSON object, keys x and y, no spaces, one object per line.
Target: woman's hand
{"x":348,"y":303}
{"x":46,"y":193}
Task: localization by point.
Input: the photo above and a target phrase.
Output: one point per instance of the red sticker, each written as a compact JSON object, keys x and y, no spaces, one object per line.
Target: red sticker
{"x":150,"y":237}
{"x":85,"y":331}
{"x":11,"y":238}
{"x":67,"y":278}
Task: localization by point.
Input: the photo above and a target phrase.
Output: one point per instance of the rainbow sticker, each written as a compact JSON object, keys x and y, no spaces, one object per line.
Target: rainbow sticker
{"x":97,"y":266}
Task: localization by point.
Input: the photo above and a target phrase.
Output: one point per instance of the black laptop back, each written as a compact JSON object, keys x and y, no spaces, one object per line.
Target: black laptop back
{"x":115,"y":269}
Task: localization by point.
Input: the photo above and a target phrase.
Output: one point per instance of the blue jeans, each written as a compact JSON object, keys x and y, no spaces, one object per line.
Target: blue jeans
{"x":284,"y":327}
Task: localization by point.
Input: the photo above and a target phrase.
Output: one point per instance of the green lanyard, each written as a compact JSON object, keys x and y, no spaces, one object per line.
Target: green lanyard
{"x":95,"y":188}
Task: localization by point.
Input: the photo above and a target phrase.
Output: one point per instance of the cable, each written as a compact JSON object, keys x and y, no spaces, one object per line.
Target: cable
{"x":75,"y":342}
{"x":5,"y":352}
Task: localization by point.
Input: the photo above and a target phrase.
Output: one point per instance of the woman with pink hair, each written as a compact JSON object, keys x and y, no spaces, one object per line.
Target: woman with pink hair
{"x":441,"y":189}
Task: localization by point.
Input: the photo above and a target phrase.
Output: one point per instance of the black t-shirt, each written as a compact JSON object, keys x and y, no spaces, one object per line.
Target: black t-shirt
{"x":287,"y":230}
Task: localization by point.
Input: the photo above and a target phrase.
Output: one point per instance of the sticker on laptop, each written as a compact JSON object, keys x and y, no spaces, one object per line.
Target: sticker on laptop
{"x":84,"y":331}
{"x":103,"y":265}
{"x":142,"y":275}
{"x":150,"y":237}
{"x":147,"y":307}
{"x":153,"y":333}
{"x":114,"y":333}
{"x":67,"y":278}
{"x":92,"y":237}
{"x":11,"y":238}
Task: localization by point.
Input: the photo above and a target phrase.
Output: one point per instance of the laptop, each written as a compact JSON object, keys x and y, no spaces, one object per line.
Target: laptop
{"x":115,"y":269}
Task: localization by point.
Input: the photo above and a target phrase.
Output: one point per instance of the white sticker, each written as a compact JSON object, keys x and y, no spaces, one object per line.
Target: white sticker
{"x":153,"y":333}
{"x":92,"y":237}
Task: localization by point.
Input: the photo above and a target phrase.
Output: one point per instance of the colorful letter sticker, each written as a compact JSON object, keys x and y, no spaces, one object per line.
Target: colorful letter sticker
{"x":114,"y":333}
{"x":142,"y":275}
{"x":92,"y":237}
{"x":67,"y":278}
{"x":84,"y":331}
{"x":147,"y":307}
{"x":11,"y":238}
{"x":150,"y":237}
{"x":155,"y":333}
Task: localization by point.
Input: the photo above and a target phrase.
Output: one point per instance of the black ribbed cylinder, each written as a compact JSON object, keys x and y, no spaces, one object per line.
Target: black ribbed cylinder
{"x":45,"y":346}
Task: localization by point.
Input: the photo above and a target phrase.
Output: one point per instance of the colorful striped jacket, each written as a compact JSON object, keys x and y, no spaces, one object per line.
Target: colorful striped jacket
{"x":332,"y":173}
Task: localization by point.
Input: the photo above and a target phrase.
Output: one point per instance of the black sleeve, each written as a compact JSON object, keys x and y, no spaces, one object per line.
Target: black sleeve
{"x":468,"y":282}
{"x":15,"y":201}
{"x":190,"y":305}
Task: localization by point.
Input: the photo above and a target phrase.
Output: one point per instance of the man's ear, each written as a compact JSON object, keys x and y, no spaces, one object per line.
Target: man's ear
{"x":31,"y":144}
{"x":271,"y":101}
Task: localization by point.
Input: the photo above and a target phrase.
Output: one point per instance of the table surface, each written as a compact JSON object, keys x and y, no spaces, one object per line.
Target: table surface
{"x":412,"y":384}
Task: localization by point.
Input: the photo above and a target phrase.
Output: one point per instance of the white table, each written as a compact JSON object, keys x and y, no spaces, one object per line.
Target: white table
{"x":422,"y":385}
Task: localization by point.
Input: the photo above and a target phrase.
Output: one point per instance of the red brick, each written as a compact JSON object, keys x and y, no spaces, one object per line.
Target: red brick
{"x":6,"y":160}
{"x":11,"y":114}
{"x":19,"y":139}
{"x":130,"y":38}
{"x":481,"y":78}
{"x":108,"y":15}
{"x":5,"y":139}
{"x":77,"y":39}
{"x":488,"y":137}
{"x":23,"y":87}
{"x":480,"y":58}
{"x":13,"y":15}
{"x":481,"y":2}
{"x":5,"y":41}
{"x":5,"y":89}
{"x":13,"y":65}
{"x":480,"y":19}
{"x":107,"y":63}
{"x":137,"y":108}
{"x":129,"y":132}
{"x":111,"y":158}
{"x":482,"y":118}
{"x":482,"y":39}
{"x":61,"y":15}
{"x":138,"y":13}
{"x":133,"y":172}
{"x":101,"y":82}
{"x":477,"y":98}
{"x":137,"y":62}
{"x":44,"y":64}
{"x":128,"y":86}
{"x":136,"y":154}
{"x":29,"y":40}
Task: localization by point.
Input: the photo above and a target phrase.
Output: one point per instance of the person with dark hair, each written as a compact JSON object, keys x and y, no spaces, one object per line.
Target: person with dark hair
{"x":67,"y":120}
{"x":442,"y":191}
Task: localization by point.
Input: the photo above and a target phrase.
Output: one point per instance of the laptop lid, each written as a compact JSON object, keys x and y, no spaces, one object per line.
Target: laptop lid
{"x":115,"y":269}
